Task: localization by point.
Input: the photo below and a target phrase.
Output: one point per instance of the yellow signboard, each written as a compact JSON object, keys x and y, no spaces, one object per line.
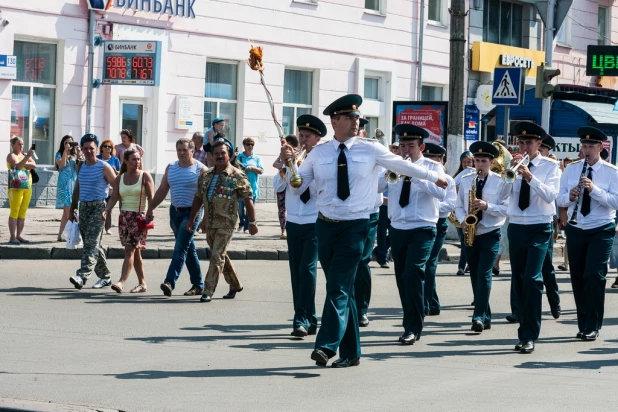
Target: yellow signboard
{"x":487,"y":56}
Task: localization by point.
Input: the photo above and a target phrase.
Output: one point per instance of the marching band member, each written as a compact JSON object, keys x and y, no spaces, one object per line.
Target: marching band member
{"x":432,"y":302}
{"x":414,"y":212}
{"x":466,"y":166}
{"x":531,"y":211}
{"x":362,"y":284}
{"x":490,"y":202}
{"x":549,"y":272}
{"x":591,"y":194}
{"x":302,"y":212}
{"x":342,"y":170}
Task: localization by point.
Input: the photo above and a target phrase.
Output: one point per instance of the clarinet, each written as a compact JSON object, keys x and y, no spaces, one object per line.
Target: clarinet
{"x":573,"y":220}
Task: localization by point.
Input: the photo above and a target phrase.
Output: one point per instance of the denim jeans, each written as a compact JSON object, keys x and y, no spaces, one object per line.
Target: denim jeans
{"x":184,"y":249}
{"x":242,"y":214}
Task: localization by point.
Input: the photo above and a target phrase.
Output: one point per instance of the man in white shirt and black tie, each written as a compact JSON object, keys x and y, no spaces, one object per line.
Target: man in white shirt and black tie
{"x":342,"y":170}
{"x":302,"y":212}
{"x":531,"y":212}
{"x":591,"y":186}
{"x":490,"y":205}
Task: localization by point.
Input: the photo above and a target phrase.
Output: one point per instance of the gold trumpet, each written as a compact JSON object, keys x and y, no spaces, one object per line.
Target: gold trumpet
{"x":295,"y":180}
{"x":471,"y":219}
{"x":510,"y":174}
{"x":393,"y":177}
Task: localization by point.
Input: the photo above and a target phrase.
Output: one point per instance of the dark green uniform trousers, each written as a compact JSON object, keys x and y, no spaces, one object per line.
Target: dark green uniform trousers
{"x":340,"y":248}
{"x":549,"y":281}
{"x":528,"y":248}
{"x":432,"y":302}
{"x":362,"y":284}
{"x":481,"y":257}
{"x":303,"y":259}
{"x":411,"y":249}
{"x":589,"y":252}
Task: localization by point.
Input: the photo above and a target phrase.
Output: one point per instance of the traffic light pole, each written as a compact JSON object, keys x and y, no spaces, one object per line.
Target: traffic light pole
{"x":549,"y":48}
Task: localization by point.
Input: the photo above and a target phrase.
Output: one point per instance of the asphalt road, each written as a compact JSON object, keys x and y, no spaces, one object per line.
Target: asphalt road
{"x":150,"y":353}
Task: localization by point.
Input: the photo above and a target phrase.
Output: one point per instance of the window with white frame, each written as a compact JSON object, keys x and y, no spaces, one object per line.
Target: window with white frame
{"x":221,"y":96}
{"x":33,"y":106}
{"x":372,"y":88}
{"x":375,"y":5}
{"x":563,"y":37}
{"x":434,"y":10}
{"x":297,"y":97}
{"x":431,"y":93}
{"x":502,"y":22}
{"x":603,"y":26}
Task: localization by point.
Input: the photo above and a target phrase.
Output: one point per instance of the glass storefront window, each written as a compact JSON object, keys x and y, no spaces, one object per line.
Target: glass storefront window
{"x":297,"y":97}
{"x":220,"y":96}
{"x":33,"y":105}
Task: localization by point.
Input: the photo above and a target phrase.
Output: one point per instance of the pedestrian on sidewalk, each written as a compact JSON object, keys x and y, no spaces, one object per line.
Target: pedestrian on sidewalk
{"x":108,"y":155}
{"x":127,"y":142}
{"x":219,"y":190}
{"x":91,"y":189}
{"x":20,"y":188}
{"x":181,"y":179}
{"x":252,"y":165}
{"x":280,"y":165}
{"x":66,"y":164}
{"x":132,"y":187}
{"x":201,"y":151}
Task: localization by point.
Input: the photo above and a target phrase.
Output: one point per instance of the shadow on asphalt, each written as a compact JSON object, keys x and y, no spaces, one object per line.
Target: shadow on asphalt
{"x":292,"y":372}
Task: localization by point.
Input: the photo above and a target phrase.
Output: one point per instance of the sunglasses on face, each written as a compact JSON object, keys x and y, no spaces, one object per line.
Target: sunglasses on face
{"x":249,"y":144}
{"x":106,"y":147}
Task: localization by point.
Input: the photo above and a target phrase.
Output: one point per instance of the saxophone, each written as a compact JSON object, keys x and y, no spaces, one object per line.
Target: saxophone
{"x":471,"y":219}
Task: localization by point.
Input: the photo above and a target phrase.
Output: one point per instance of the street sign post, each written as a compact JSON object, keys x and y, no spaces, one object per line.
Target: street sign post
{"x":471,"y":122}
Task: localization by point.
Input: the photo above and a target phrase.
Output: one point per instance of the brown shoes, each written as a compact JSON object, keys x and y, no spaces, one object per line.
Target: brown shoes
{"x":194,"y":291}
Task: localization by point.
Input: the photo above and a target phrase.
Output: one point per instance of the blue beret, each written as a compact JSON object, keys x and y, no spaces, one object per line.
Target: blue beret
{"x":464,"y":155}
{"x":225,"y":142}
{"x":217,"y":120}
{"x":89,"y":137}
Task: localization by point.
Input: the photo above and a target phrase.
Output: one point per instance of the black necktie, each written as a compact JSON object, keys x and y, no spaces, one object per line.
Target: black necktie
{"x":343,"y":185}
{"x":404,"y":198}
{"x":586,"y":198}
{"x":524,"y":193}
{"x":305,"y":196}
{"x":480,"y":184}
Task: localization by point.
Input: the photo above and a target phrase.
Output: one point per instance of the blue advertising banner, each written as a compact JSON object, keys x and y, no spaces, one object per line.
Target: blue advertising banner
{"x":471,"y":122}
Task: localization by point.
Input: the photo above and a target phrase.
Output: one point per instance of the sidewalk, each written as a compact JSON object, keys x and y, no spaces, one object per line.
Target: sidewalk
{"x":42,"y":229}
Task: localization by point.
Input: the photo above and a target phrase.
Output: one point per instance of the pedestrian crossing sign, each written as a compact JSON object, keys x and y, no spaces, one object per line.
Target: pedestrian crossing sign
{"x":507,"y":90}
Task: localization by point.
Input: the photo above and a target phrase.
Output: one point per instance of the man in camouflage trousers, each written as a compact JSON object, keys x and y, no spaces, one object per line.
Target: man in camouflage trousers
{"x":218,"y":190}
{"x":91,"y":189}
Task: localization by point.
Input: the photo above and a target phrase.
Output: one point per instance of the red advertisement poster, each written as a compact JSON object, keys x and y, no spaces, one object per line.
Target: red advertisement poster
{"x":431,"y":116}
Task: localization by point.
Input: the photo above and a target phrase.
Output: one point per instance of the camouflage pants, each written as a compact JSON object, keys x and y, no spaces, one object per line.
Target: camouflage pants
{"x":91,"y":228}
{"x":218,"y":241}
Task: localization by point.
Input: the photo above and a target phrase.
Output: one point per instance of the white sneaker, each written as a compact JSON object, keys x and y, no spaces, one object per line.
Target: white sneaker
{"x":77,"y":281}
{"x":101,"y":283}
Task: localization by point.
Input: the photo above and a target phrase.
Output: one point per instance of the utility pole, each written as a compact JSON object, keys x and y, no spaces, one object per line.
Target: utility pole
{"x":549,"y":49}
{"x":91,"y":28}
{"x":456,"y":83}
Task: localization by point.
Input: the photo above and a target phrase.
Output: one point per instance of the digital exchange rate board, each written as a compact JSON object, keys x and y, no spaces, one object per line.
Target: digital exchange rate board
{"x":127,"y":62}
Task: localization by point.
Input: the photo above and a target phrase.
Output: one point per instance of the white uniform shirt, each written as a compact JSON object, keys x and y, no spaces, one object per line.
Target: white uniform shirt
{"x":380,"y":195}
{"x":424,"y":203}
{"x":465,"y":172}
{"x":603,"y":198}
{"x":495,"y":193}
{"x":544,"y":187}
{"x":297,"y":211}
{"x":448,"y":204}
{"x":363,"y":158}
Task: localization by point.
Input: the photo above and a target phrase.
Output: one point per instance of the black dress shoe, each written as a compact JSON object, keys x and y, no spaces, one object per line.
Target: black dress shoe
{"x":434,"y":312}
{"x":590,"y":335}
{"x":580,"y":335}
{"x":512,"y":319}
{"x":467,"y":270}
{"x":409,"y":338}
{"x":320,"y":357}
{"x":477,"y":326}
{"x":472,"y":304}
{"x":232,"y":294}
{"x":205,"y":298}
{"x":495,"y":271}
{"x":363,"y":320}
{"x":527,"y":347}
{"x":346,"y":362}
{"x":556,"y":311}
{"x":299,"y":332}
{"x":486,"y":326}
{"x":519,"y":346}
{"x":312,"y":330}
